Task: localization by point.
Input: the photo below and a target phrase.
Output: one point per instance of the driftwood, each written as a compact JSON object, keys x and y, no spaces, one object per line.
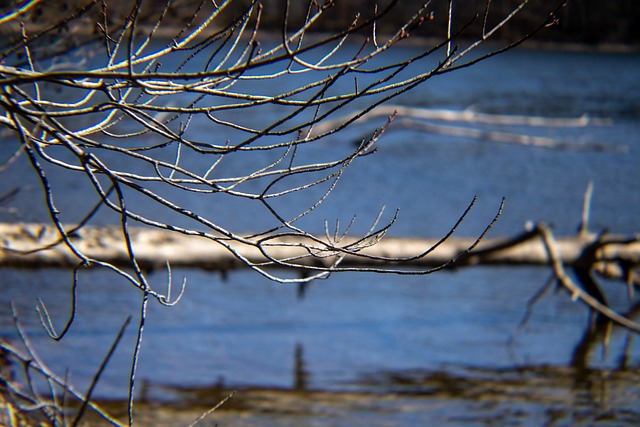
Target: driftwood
{"x":38,"y":245}
{"x":430,"y":121}
{"x":475,"y":117}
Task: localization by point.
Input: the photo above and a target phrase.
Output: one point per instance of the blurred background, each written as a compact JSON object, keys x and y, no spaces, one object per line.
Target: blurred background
{"x":480,"y":345}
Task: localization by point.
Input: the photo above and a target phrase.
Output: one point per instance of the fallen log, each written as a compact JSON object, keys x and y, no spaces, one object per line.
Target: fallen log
{"x":38,"y":245}
{"x":430,"y":121}
{"x":464,"y":116}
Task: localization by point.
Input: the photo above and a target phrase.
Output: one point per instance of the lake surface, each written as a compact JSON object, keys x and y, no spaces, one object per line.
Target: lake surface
{"x":417,"y":339}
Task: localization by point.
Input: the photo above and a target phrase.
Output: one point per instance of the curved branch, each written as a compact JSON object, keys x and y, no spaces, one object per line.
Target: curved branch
{"x":576,"y":291}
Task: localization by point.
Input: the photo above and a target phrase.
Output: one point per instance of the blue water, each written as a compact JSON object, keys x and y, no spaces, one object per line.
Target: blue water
{"x":243,"y":330}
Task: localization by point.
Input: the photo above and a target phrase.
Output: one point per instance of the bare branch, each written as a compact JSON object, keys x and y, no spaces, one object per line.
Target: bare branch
{"x":576,"y":291}
{"x":148,"y":116}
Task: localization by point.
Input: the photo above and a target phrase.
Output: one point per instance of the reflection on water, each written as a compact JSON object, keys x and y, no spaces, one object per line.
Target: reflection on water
{"x":358,"y":351}
{"x":528,"y":396}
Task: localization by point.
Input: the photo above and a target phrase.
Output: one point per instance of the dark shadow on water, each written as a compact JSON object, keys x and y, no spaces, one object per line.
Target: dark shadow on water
{"x":523,"y":395}
{"x":597,"y":333}
{"x":526,"y":395}
{"x":300,"y":374}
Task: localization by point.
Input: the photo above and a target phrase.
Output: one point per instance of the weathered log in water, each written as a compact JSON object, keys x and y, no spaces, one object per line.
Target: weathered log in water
{"x":431,"y":121}
{"x":38,"y":245}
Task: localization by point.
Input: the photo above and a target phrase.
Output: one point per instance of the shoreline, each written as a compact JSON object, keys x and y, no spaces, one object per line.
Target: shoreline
{"x":169,"y":32}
